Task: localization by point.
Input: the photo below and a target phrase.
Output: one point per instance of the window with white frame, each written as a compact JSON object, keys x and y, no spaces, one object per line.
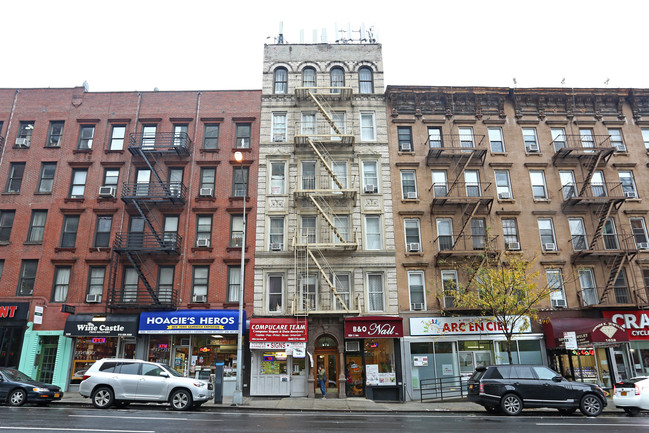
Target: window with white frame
{"x":78,"y":183}
{"x":277,"y":177}
{"x":341,"y":222}
{"x":440,"y":183}
{"x":472,"y":183}
{"x":503,"y":185}
{"x":337,"y":79}
{"x":466,"y":136}
{"x":496,"y":140}
{"x":373,"y":232}
{"x":558,"y":138}
{"x":308,"y":175}
{"x":370,"y":176}
{"x":341,"y":283}
{"x":628,"y":183}
{"x":408,"y":184}
{"x":340,"y":171}
{"x":275,"y":293}
{"x":61,"y":283}
{"x":578,"y":234}
{"x":86,"y":135}
{"x":598,"y":184}
{"x":278,"y":127}
{"x":96,"y":278}
{"x":588,"y":287}
{"x":568,"y":185}
{"x":587,"y":139}
{"x":546,"y":232}
{"x":510,"y":234}
{"x":616,"y":139}
{"x":203,"y":230}
{"x":444,"y":233}
{"x":308,"y":77}
{"x":276,"y":233}
{"x":529,"y":138}
{"x":308,"y":125}
{"x":435,"y":137}
{"x":645,"y":137}
{"x":281,"y":81}
{"x":539,"y":190}
{"x":200,"y":281}
{"x":308,"y":229}
{"x":368,"y":127}
{"x":375,"y":292}
{"x":639,"y":230}
{"x":339,"y":119}
{"x":417,"y":290}
{"x":555,"y":285}
{"x":412,"y":234}
{"x":450,"y":284}
{"x":365,"y":81}
{"x":609,"y":235}
{"x":309,"y":292}
{"x":234,"y":284}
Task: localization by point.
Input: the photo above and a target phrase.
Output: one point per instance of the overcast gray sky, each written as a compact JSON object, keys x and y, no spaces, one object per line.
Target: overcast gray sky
{"x":120,"y":45}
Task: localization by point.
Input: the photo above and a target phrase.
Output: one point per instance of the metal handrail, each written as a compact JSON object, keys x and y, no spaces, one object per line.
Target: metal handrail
{"x":441,"y":387}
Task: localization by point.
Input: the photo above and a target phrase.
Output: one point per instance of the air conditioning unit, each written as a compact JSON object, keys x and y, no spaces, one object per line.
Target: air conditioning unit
{"x":352,"y":346}
{"x":206,"y":192}
{"x":533,"y":147}
{"x":275,"y":246}
{"x":629,"y":194}
{"x":643,"y":245}
{"x":619,"y":147}
{"x":417,"y":306}
{"x":93,"y":298}
{"x":414,"y":247}
{"x":514,"y":246}
{"x":107,"y":191}
{"x":559,"y":303}
{"x":406,"y":147}
{"x":22,"y":142}
{"x":202,"y":242}
{"x":550,"y":247}
{"x":411,"y":194}
{"x":279,"y":138}
{"x":199,"y":298}
{"x":504,"y":195}
{"x":369,"y":189}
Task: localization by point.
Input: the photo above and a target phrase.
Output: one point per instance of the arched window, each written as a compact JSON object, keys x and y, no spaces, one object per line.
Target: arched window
{"x":308,"y":77}
{"x":365,"y":82}
{"x":337,"y":79}
{"x":281,"y":81}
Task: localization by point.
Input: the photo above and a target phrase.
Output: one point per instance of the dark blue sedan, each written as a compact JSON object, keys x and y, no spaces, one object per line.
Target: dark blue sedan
{"x":16,"y":389}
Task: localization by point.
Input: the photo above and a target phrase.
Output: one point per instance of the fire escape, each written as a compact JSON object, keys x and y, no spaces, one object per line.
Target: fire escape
{"x":146,"y":242}
{"x":468,"y":194}
{"x":327,"y":199}
{"x":606,"y":245}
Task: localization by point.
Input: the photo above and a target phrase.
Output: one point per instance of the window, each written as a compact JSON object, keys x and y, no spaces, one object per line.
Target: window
{"x":54,"y":134}
{"x":27,"y":278}
{"x":404,"y":134}
{"x":308,"y":175}
{"x":200,"y":281}
{"x":308,"y":292}
{"x":609,"y":235}
{"x":465,"y":134}
{"x":130,"y":284}
{"x":588,"y":288}
{"x":180,"y":134}
{"x":37,"y":227}
{"x":568,"y":185}
{"x":529,"y":138}
{"x":539,"y":191}
{"x":337,"y":79}
{"x":365,"y":82}
{"x":342,"y":286}
{"x":413,"y":240}
{"x":373,"y":232}
{"x":142,"y":180}
{"x":587,"y":139}
{"x":503,"y":185}
{"x":510,"y":234}
{"x":435,"y":137}
{"x":176,"y":181}
{"x":621,"y":288}
{"x":496,"y":140}
{"x":308,"y":77}
{"x":440,"y":187}
{"x":111,"y":177}
{"x":628,"y":184}
{"x":170,"y":231}
{"x":408,"y":184}
{"x":149,"y":135}
{"x":341,"y":223}
{"x":234,"y":283}
{"x":417,"y":290}
{"x":211,"y":136}
{"x":555,"y":284}
{"x":578,"y":234}
{"x":340,"y":171}
{"x":308,"y":125}
{"x":96,"y":278}
{"x":276,"y":233}
{"x":449,"y":285}
{"x":78,"y":184}
{"x":278,"y":132}
{"x":546,"y":231}
{"x":616,"y":140}
{"x":339,"y":119}
{"x":370,"y":176}
{"x":478,"y":233}
{"x":639,"y":231}
{"x":308,"y":229}
{"x":25,"y":131}
{"x":240,"y":181}
{"x":208,"y":178}
{"x":117,"y":135}
{"x":367,"y":127}
{"x":598,"y":184}
{"x":375,"y":292}
{"x":69,"y":231}
{"x":275,"y":291}
{"x":15,"y":179}
{"x":472,"y":183}
{"x":445,"y":233}
{"x":242,"y":140}
{"x":86,"y":134}
{"x":277,"y":177}
{"x":46,"y":178}
{"x":558,"y":138}
{"x":236,"y":231}
{"x":645,"y":138}
{"x":61,"y":283}
{"x":281,"y":81}
{"x":203,"y":230}
{"x":6,"y":223}
{"x":102,"y":231}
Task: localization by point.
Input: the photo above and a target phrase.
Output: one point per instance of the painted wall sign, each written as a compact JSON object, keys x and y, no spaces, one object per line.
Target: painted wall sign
{"x":373,"y":327}
{"x":278,"y":330}
{"x":463,"y":325}
{"x":190,"y":322}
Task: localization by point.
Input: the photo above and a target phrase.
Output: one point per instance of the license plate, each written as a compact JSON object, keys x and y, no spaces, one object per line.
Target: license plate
{"x":623,"y":393}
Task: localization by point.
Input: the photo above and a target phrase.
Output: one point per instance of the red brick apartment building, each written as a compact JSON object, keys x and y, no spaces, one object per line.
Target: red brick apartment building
{"x":121,"y":227}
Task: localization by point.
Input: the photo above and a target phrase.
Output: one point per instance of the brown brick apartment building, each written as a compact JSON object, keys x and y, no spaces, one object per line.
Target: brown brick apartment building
{"x":557,"y":174}
{"x":117,"y":204}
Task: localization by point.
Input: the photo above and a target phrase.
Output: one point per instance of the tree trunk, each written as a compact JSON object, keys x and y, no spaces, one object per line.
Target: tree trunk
{"x":509,"y":350}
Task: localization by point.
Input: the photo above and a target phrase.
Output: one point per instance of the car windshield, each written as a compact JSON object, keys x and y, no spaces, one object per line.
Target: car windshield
{"x":16,"y":375}
{"x":171,"y":371}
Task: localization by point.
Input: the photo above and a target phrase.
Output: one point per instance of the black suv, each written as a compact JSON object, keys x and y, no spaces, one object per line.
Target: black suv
{"x":510,"y":388}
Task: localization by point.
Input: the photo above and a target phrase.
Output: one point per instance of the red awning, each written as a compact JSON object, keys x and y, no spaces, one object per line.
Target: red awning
{"x":590,"y":332}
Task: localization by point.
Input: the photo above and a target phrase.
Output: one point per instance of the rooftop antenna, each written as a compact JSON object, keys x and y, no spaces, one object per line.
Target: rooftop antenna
{"x":280,"y":37}
{"x":324,"y":35}
{"x":563,"y":81}
{"x":606,"y":82}
{"x":370,"y":35}
{"x":514,"y":80}
{"x":342,"y":39}
{"x":363,"y":38}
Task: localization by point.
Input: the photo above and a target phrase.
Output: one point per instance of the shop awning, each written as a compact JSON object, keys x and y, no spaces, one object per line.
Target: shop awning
{"x":109,"y":325}
{"x":590,"y":332}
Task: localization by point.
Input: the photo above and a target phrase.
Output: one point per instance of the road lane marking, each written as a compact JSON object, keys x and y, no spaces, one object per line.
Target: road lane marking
{"x":131,"y":417}
{"x":565,"y":424}
{"x":75,"y":429}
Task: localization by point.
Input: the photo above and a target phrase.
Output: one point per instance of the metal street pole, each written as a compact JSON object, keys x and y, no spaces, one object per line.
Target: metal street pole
{"x":237,"y":397}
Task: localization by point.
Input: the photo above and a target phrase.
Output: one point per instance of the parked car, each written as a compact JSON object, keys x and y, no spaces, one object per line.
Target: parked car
{"x":510,"y":388}
{"x":122,"y":381}
{"x":632,"y":395}
{"x":16,"y":389}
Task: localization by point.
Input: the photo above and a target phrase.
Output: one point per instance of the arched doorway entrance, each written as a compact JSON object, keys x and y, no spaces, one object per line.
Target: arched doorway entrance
{"x":326,"y":354}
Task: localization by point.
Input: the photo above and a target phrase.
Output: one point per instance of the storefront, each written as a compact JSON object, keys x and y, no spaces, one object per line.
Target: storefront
{"x":636,"y":325}
{"x":193,"y":341}
{"x":373,"y":357}
{"x":452,"y":347}
{"x":588,"y":350}
{"x":13,"y":322}
{"x":278,"y":357}
{"x":100,"y":336}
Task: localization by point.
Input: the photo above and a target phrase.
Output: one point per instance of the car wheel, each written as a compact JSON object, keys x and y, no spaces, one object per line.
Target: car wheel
{"x":564,"y":411}
{"x":591,"y":405}
{"x":511,"y":404}
{"x":103,"y":398}
{"x":18,"y":397}
{"x":181,"y":400}
{"x":632,"y":411}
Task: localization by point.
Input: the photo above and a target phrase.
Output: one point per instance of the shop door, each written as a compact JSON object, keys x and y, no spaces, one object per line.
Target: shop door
{"x":469,"y":360}
{"x":181,"y":359}
{"x":127,"y":349}
{"x":622,"y":364}
{"x":328,"y":360}
{"x":354,"y":376}
{"x":47,"y":359}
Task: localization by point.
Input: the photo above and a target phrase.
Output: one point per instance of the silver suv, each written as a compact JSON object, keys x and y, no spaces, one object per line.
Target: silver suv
{"x":122,"y":381}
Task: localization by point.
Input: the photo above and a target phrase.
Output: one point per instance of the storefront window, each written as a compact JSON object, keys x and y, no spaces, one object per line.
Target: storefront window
{"x":87,"y":350}
{"x":207,"y":350}
{"x":159,"y":349}
{"x":273,"y":363}
{"x":299,"y":367}
{"x":379,"y":362}
{"x":640,"y":354}
{"x":529,"y":352}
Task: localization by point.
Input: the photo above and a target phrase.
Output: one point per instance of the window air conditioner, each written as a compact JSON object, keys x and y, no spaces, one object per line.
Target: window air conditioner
{"x":275,"y":246}
{"x":93,"y":298}
{"x":22,"y":142}
{"x":107,"y":191}
{"x":417,"y":306}
{"x":411,"y":194}
{"x":352,"y":346}
{"x":369,"y":189}
{"x":559,"y":303}
{"x":533,"y":147}
{"x":629,"y":194}
{"x":550,"y":247}
{"x":406,"y":147}
{"x":202,"y":242}
{"x":619,"y":147}
{"x":643,"y":245}
{"x":413,"y":247}
{"x":199,"y":298}
{"x":514,"y":246}
{"x":504,"y":195}
{"x":206,"y":192}
{"x":279,"y":138}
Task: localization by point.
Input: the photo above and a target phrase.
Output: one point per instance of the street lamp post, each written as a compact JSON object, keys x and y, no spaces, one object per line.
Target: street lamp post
{"x":237,"y":397}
